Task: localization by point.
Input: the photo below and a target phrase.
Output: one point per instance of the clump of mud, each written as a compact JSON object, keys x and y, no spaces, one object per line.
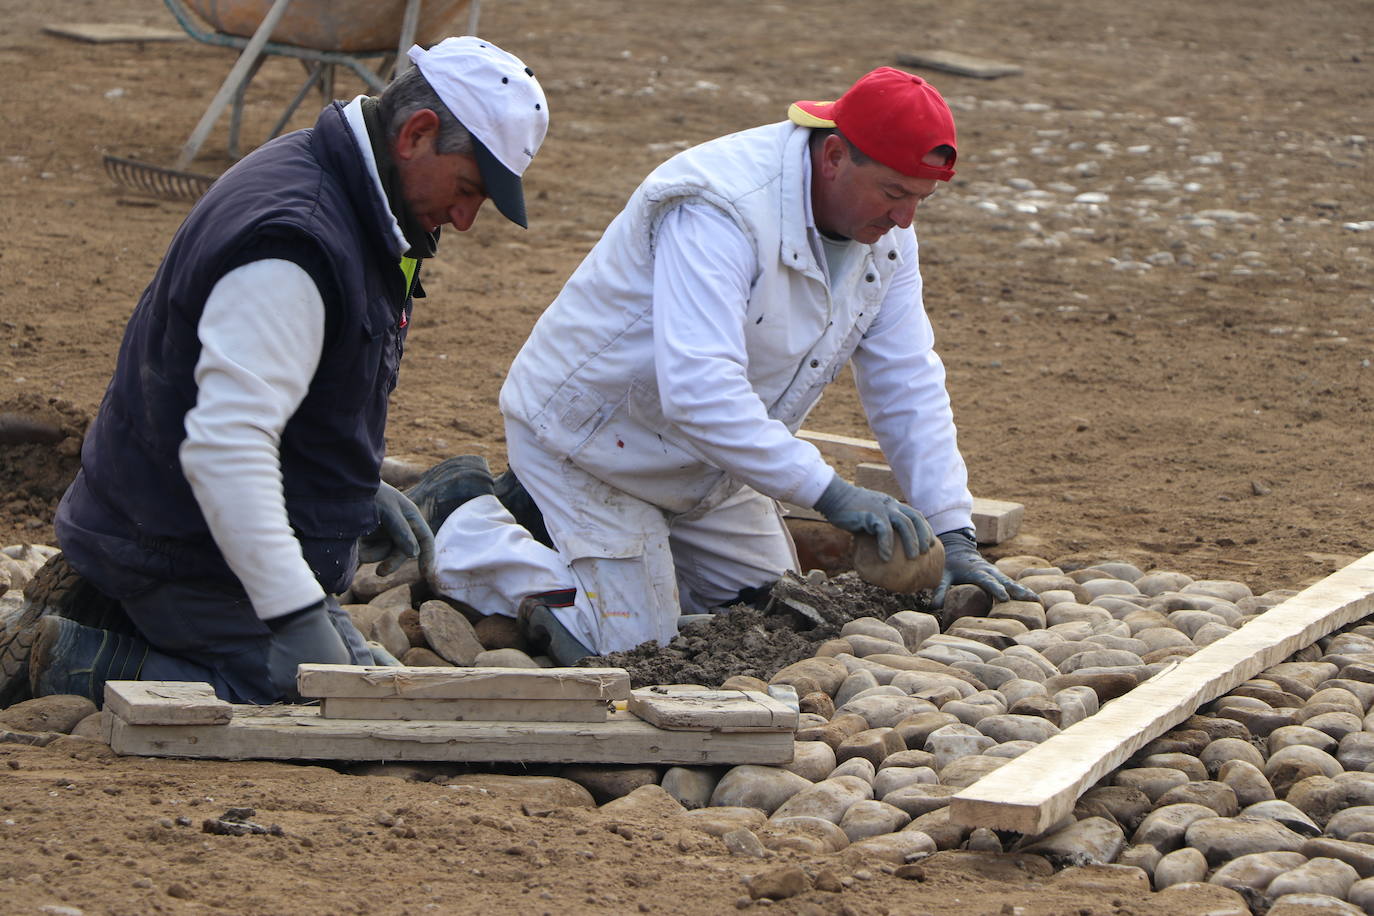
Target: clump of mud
{"x":797,"y":618}
{"x":40,"y":452}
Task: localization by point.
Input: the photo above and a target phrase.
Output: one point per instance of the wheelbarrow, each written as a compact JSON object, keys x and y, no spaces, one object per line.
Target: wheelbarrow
{"x":323,"y":34}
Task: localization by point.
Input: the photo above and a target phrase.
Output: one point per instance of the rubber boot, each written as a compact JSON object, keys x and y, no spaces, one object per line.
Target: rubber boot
{"x":547,"y":634}
{"x":448,"y":485}
{"x":518,"y":502}
{"x":68,"y":658}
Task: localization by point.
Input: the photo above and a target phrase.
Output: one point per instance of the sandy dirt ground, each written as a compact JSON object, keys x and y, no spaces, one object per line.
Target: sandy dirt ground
{"x":1152,"y":283}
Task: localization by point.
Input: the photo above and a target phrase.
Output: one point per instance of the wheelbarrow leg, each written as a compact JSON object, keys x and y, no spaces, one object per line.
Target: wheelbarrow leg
{"x":327,"y":83}
{"x":236,"y":113}
{"x":318,"y":72}
{"x":232,"y":83}
{"x":409,"y":23}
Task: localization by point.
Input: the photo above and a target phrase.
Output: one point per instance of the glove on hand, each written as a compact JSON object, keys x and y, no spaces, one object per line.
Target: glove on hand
{"x":306,"y":636}
{"x":402,"y":534}
{"x":964,"y":565}
{"x":858,"y":509}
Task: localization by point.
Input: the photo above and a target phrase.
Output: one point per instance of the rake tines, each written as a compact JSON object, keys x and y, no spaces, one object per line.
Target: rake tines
{"x":157,"y":180}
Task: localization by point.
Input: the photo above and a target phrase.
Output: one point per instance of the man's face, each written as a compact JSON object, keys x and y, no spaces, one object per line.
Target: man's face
{"x":862,"y":202}
{"x":441,"y":189}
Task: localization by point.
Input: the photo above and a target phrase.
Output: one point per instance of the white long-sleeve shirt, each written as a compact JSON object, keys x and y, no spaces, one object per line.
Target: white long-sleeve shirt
{"x":261,"y":334}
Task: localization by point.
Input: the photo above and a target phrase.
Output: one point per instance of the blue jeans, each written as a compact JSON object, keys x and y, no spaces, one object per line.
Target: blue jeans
{"x":208,"y":631}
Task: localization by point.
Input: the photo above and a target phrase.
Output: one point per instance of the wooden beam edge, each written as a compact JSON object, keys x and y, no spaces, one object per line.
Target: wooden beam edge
{"x":1028,"y":796}
{"x":994,"y":520}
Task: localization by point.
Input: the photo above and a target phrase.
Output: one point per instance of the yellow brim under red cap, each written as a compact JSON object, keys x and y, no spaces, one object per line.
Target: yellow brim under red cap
{"x":810,"y":114}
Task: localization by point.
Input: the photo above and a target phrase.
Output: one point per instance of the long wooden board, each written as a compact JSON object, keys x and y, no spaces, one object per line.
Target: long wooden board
{"x":1041,"y":786}
{"x":376,"y":682}
{"x":846,"y":449}
{"x":958,"y":63}
{"x":105,"y":32}
{"x":300,"y":733}
{"x":994,"y":520}
{"x":406,"y":709}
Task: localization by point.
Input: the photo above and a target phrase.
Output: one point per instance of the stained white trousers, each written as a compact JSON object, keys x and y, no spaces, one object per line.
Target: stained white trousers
{"x":636,"y":568}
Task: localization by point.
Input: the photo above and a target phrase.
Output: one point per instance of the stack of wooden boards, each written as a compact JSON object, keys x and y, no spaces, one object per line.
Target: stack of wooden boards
{"x":544,"y":715}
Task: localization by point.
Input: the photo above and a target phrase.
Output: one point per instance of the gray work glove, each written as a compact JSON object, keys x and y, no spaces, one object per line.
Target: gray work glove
{"x":402,"y":534}
{"x":964,"y":565}
{"x":858,"y":509}
{"x":306,"y":636}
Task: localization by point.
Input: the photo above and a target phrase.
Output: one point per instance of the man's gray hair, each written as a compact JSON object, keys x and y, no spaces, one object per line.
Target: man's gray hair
{"x":411,"y":92}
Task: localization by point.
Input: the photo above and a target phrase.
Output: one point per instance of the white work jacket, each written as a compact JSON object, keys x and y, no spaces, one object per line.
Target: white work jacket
{"x":586,"y":381}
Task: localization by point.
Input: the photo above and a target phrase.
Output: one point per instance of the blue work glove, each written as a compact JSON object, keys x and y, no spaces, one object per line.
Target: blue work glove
{"x":307,"y":636}
{"x":964,"y":565}
{"x":858,"y":509}
{"x":402,"y":534}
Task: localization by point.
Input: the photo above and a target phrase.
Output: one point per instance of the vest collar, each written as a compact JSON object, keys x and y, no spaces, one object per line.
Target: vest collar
{"x":377,"y":192}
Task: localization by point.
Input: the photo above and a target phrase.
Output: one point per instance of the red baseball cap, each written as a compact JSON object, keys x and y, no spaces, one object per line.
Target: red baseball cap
{"x":893,"y":117}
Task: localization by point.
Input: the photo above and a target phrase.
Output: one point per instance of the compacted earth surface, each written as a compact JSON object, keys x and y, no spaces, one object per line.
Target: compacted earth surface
{"x":1152,"y":283}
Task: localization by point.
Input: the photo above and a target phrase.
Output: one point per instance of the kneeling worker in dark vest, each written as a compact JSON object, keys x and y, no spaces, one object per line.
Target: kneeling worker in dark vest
{"x":235,"y":461}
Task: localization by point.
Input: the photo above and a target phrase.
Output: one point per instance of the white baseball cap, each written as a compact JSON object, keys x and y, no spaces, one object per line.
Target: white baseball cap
{"x":500,"y":103}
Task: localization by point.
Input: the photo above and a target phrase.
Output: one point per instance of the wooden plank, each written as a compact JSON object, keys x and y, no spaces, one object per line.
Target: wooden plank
{"x":299,"y":733}
{"x":406,"y":709}
{"x":1041,"y":786}
{"x":680,"y":708}
{"x":166,"y":703}
{"x":846,"y":449}
{"x":106,"y":32}
{"x":994,"y":520}
{"x":366,"y":681}
{"x":958,"y":63}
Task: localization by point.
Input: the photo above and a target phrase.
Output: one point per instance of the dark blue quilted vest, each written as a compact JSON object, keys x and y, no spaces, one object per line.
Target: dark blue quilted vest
{"x":129,"y":521}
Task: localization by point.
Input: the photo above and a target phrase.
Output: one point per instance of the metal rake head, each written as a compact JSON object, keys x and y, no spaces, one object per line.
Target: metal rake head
{"x":157,"y":180}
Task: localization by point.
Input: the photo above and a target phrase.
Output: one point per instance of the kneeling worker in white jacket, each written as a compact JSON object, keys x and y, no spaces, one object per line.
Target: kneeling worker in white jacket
{"x":652,"y":413}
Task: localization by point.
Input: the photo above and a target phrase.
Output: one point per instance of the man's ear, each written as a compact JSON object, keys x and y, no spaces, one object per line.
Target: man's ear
{"x":419,"y":131}
{"x":833,"y":151}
